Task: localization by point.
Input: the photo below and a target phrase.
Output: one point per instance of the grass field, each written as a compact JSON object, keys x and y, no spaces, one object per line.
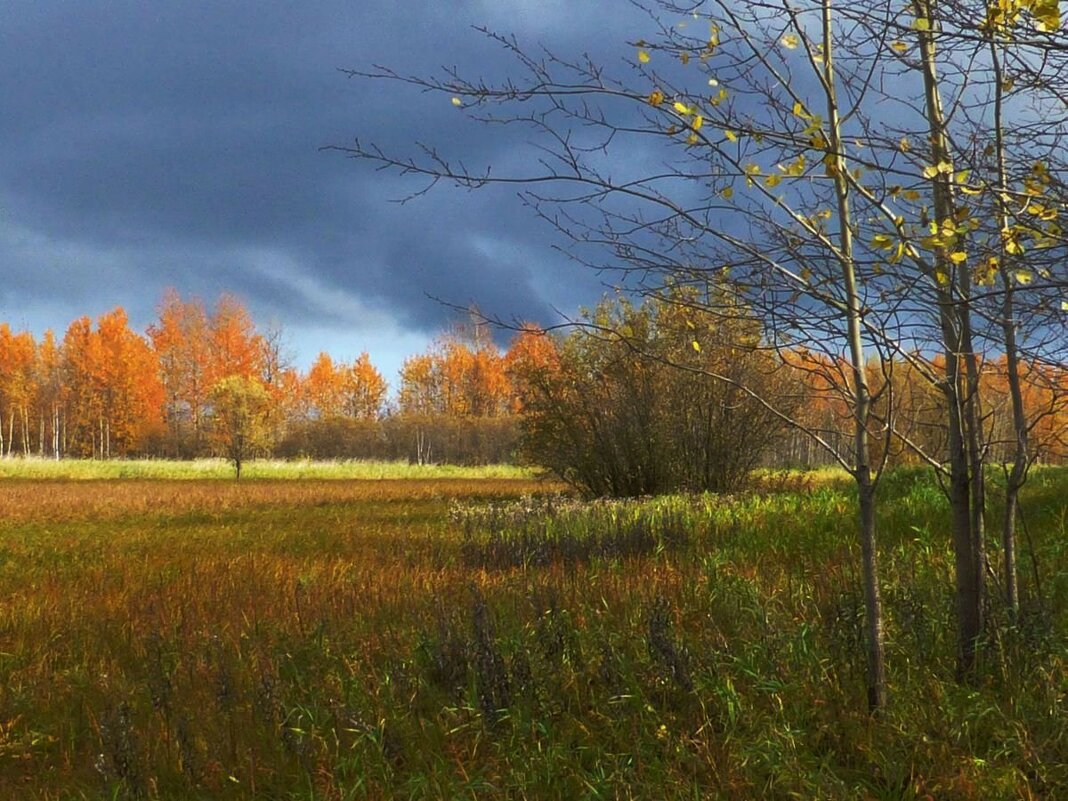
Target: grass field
{"x":489,"y":638}
{"x":88,"y":470}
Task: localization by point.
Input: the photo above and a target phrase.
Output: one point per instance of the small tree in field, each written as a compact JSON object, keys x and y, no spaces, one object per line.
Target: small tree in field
{"x":240,"y":408}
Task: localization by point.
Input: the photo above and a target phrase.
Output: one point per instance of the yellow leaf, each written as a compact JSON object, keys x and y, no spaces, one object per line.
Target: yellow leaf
{"x":790,"y":41}
{"x":921,"y":24}
{"x":942,"y":278}
{"x":1047,"y":14}
{"x":899,"y":46}
{"x":905,"y":145}
{"x":930,"y":172}
{"x":684,"y":57}
{"x":698,"y":121}
{"x":1064,"y":305}
{"x":656,"y":97}
{"x":728,"y":192}
{"x":731,"y":136}
{"x":693,"y":139}
{"x":912,"y":194}
{"x":696,"y":346}
{"x":772,"y":181}
{"x":752,"y":169}
{"x":457,"y":101}
{"x":799,"y":109}
{"x":682,"y":108}
{"x":824,"y":214}
{"x":643,"y":57}
{"x":1022,"y":277}
{"x":958,"y":256}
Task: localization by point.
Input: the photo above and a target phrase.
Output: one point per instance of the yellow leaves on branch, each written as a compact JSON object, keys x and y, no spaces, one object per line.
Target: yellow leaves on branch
{"x":985,"y":274}
{"x":643,"y":56}
{"x":1010,"y":239}
{"x":790,"y":41}
{"x":795,"y":169}
{"x":1047,"y":14}
{"x":656,"y":97}
{"x":941,"y":168}
{"x":921,"y":24}
{"x":457,"y":102}
{"x":1006,"y":13}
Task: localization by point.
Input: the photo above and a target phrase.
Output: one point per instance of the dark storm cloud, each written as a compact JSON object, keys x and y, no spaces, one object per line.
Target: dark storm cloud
{"x":148,"y":145}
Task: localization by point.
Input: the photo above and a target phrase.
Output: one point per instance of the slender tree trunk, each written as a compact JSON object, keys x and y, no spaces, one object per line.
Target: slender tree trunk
{"x":876,"y":661}
{"x":954,"y":321}
{"x":1020,"y":457}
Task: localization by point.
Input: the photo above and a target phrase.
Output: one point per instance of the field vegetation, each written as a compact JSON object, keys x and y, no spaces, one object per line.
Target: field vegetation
{"x":494,"y":638}
{"x":171,"y":469}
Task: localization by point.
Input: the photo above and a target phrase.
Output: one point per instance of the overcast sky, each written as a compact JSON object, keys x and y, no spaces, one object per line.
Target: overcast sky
{"x":148,"y":145}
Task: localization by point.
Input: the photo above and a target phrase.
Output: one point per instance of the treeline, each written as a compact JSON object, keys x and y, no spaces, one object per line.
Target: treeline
{"x":639,"y":399}
{"x":104,"y":390}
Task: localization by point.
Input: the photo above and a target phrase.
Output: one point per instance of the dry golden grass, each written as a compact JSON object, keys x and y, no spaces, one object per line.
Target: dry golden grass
{"x":340,"y":640}
{"x":58,"y":501}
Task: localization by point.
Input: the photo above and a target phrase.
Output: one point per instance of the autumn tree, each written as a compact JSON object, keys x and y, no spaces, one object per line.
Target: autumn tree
{"x":17,"y":357}
{"x":235,"y":346}
{"x":51,"y":396}
{"x":364,"y":389}
{"x":240,"y":407}
{"x":763,"y":147}
{"x":181,"y":340}
{"x":323,"y":388}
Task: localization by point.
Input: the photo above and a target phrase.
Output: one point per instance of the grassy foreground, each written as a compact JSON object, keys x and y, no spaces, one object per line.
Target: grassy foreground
{"x":481,"y":639}
{"x":94,"y":469}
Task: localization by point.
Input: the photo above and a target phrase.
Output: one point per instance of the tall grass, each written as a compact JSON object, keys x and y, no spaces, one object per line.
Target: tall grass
{"x":492,"y":639}
{"x":87,"y":469}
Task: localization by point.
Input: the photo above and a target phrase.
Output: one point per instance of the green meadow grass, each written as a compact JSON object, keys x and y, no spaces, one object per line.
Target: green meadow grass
{"x":95,"y":469}
{"x":493,"y":638}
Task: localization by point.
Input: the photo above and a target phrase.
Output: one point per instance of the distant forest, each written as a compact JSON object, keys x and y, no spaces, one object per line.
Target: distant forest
{"x":104,"y":390}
